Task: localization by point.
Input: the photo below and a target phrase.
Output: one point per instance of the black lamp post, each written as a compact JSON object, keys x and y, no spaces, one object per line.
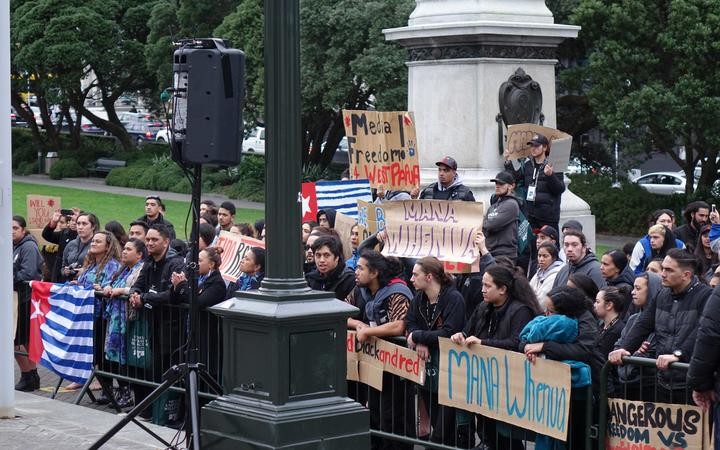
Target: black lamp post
{"x":284,"y":345}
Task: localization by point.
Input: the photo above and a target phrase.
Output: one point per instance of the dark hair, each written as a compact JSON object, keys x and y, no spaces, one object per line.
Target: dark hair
{"x":579,"y":234}
{"x":230,"y":206}
{"x":139,"y":246}
{"x":685,"y":259}
{"x":376,"y":262}
{"x":585,"y":284}
{"x":211,"y":219}
{"x":619,"y":296}
{"x":325,"y":231}
{"x":141,"y":223}
{"x":207,"y":233}
{"x":259,"y":226}
{"x":434,"y":267}
{"x":312,"y":224}
{"x":208,"y":202}
{"x":160,"y":228}
{"x":179,"y":246}
{"x":518,"y":288}
{"x":692,"y":208}
{"x":395,"y":267}
{"x":551,"y":248}
{"x":117,"y":229}
{"x":21,"y":221}
{"x":652,"y":220}
{"x":618,"y":257}
{"x":92,"y":218}
{"x":569,"y":301}
{"x":213,"y":255}
{"x":259,"y":257}
{"x":704,"y":264}
{"x":628,"y":248}
{"x":333,"y":244}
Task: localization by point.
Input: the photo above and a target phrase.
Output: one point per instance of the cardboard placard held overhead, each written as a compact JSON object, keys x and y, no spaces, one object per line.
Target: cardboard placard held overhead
{"x":234,"y":248}
{"x":343,"y":225}
{"x":444,"y":229}
{"x":367,"y":360}
{"x":505,"y":386}
{"x":656,"y":425}
{"x":371,"y":218}
{"x":516,"y":145}
{"x":382,"y":147}
{"x":40,"y":209}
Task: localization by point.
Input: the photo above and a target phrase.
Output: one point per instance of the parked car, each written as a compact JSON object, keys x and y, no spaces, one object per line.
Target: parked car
{"x":140,"y":118}
{"x":340,"y":158}
{"x":254,"y":141}
{"x":142,"y":132}
{"x":163,"y":135}
{"x":663,"y":183}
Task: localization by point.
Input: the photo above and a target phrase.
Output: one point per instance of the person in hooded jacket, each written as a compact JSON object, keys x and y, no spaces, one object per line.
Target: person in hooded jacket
{"x":27,"y":266}
{"x":579,"y":260}
{"x":330,"y":273}
{"x":449,"y":185}
{"x":383,"y":300}
{"x":438,"y":310}
{"x":614,"y":268}
{"x":548,"y":266}
{"x":501,"y":219}
{"x":508,"y":305}
{"x":326,"y":217}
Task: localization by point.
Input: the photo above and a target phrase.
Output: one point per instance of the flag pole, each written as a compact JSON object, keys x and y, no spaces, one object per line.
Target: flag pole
{"x":7,"y":364}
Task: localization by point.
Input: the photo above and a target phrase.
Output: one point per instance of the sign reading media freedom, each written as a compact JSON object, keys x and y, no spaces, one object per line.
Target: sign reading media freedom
{"x":517,"y":147}
{"x":504,"y":385}
{"x":234,"y":248}
{"x":656,"y":426}
{"x":382,"y":147}
{"x":366,"y":361}
{"x":444,"y":229}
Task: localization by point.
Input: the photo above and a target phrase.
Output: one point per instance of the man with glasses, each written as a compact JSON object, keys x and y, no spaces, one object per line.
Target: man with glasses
{"x":154,"y":214}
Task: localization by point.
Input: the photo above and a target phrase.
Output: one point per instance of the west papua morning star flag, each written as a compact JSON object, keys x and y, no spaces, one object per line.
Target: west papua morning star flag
{"x":61,"y":329}
{"x":342,"y":196}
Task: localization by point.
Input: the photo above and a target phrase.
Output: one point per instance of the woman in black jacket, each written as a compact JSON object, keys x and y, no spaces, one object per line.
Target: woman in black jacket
{"x":508,"y":305}
{"x":438,"y":310}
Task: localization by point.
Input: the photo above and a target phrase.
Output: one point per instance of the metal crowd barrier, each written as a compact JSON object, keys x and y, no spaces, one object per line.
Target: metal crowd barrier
{"x":403,"y":412}
{"x":642,"y":387}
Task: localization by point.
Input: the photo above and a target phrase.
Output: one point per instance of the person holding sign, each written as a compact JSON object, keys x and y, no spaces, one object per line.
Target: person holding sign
{"x":383,"y":301}
{"x":448,"y":186}
{"x":544,"y":187}
{"x":508,"y":305}
{"x":438,"y":310}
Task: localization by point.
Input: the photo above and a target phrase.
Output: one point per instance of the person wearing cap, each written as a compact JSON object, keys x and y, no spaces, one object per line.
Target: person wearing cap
{"x":501,"y":219}
{"x":154,"y":216}
{"x":546,"y":234}
{"x":448,"y":186}
{"x":544,"y":187}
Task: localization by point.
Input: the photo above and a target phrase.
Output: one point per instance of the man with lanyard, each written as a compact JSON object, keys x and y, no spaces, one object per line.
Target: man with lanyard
{"x":153,"y":214}
{"x":449,"y":185}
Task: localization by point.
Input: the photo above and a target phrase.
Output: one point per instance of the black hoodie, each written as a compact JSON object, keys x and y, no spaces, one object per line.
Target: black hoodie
{"x":341,"y":280}
{"x":329,"y":213}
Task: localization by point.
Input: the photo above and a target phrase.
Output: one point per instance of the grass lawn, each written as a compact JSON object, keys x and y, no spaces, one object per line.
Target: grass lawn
{"x":123,"y":208}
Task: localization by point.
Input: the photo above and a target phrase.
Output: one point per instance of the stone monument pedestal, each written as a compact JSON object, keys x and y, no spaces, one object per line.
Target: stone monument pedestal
{"x":460,"y":52}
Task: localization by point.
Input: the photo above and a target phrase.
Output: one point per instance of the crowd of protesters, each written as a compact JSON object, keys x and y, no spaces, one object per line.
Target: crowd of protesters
{"x":553,"y":298}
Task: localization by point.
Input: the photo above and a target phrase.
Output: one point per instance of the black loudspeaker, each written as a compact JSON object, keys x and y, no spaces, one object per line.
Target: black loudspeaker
{"x":209,"y":95}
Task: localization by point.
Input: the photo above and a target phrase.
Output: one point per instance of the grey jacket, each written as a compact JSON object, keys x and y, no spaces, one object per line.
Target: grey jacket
{"x":589,"y":266}
{"x":75,"y":252}
{"x":501,"y":227}
{"x":27,"y":260}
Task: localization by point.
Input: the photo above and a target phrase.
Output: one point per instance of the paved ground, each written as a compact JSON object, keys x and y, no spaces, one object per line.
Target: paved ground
{"x":98,"y":185}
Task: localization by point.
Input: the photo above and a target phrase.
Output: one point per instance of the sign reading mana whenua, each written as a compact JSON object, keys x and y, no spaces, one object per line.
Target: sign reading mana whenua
{"x":382,"y":147}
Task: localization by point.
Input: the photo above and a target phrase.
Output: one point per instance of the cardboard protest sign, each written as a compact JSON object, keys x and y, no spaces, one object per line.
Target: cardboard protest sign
{"x":505,"y":386}
{"x":40,"y":209}
{"x":234,"y":248}
{"x":518,"y":136}
{"x":368,"y":359}
{"x":382,"y":147}
{"x":656,"y":426}
{"x":343,"y":225}
{"x":444,"y":229}
{"x":371,"y":218}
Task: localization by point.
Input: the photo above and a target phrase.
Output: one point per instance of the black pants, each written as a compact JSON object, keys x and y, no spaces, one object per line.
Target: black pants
{"x":392,"y":411}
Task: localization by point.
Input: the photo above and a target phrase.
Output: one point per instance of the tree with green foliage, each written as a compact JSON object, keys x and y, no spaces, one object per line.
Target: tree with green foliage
{"x":345,"y":64}
{"x":61,"y":42}
{"x":653,"y":78}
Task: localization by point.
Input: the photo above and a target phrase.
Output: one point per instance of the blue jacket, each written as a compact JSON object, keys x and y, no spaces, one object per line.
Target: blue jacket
{"x":647,"y":252}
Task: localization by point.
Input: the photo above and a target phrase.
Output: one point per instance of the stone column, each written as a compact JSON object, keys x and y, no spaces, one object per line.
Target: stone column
{"x":460,"y":52}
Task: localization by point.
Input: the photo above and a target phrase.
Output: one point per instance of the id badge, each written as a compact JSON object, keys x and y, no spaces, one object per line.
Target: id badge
{"x":531,"y":194}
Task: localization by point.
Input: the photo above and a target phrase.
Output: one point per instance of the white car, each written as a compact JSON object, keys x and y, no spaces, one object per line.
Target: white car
{"x":663,"y":183}
{"x":254,"y":141}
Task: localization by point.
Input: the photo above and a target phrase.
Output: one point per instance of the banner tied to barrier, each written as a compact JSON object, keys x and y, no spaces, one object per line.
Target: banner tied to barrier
{"x":366,"y":361}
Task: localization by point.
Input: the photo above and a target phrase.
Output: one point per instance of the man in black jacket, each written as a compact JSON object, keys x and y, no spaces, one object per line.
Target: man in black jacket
{"x":154,"y":214}
{"x":673,"y":317}
{"x":704,"y":374}
{"x":579,"y":260}
{"x":330,"y":273}
{"x":501,"y":219}
{"x":449,"y":185}
{"x":696,"y":215}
